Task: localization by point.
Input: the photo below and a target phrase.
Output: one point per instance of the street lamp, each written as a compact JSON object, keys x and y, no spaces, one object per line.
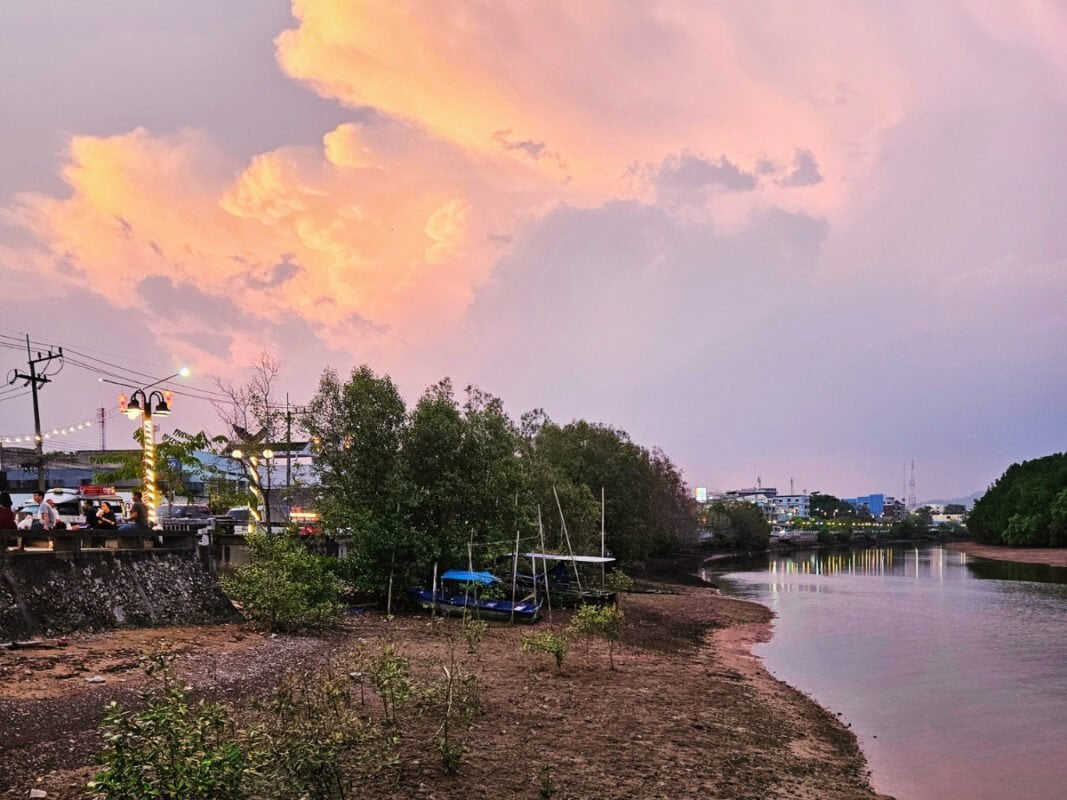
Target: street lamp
{"x":146,"y":405}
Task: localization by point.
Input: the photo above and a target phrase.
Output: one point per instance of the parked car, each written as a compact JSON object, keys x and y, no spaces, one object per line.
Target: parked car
{"x":168,"y":511}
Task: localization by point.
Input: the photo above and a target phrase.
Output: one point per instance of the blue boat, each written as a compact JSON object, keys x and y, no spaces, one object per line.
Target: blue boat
{"x":463,"y":592}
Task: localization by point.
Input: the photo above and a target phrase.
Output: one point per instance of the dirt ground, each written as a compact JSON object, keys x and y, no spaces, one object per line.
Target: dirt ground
{"x":688,"y":711}
{"x":1053,"y":556}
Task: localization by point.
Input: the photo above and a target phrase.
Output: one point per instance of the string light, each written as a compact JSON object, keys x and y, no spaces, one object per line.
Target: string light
{"x":62,"y":431}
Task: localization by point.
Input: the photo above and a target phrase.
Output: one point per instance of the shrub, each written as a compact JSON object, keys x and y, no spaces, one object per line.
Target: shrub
{"x":285,"y":588}
{"x":390,"y":678}
{"x":310,"y":738}
{"x":602,"y":621}
{"x":474,"y":631}
{"x":619,"y":581}
{"x":545,"y":642}
{"x":172,"y":749}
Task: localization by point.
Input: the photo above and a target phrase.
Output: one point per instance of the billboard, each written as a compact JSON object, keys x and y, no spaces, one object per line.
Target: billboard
{"x":701,"y":493}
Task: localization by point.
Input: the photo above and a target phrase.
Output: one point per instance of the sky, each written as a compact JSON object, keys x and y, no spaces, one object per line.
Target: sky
{"x":801,"y":242}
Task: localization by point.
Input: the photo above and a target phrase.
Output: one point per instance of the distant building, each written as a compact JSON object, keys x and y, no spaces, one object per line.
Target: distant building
{"x":879,"y":506}
{"x":775,"y":507}
{"x":785,"y":507}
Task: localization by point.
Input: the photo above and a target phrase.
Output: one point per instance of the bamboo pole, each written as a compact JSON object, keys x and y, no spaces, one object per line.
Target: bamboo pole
{"x":470,"y":568}
{"x":603,"y":568}
{"x":514,"y":573}
{"x":567,"y":536}
{"x":544,"y":563}
{"x":433,"y":594}
{"x":389,"y":599}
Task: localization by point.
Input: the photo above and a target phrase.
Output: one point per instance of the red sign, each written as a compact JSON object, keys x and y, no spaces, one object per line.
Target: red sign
{"x":90,"y":490}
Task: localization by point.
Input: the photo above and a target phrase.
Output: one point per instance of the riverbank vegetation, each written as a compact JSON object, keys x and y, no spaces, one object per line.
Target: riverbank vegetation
{"x":1025,"y":507}
{"x":449,"y":482}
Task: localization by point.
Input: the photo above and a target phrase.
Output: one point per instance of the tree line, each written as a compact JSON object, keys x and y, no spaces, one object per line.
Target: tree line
{"x":1025,"y":507}
{"x":455,"y":480}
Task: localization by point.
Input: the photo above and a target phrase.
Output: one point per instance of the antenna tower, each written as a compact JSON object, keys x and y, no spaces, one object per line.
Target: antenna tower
{"x":911,"y":487}
{"x":101,"y":416}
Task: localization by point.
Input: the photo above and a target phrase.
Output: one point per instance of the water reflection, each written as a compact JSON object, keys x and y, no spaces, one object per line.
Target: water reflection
{"x":1015,"y":571}
{"x":951,"y":670}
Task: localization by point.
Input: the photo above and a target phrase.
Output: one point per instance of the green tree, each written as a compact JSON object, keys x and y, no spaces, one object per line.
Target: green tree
{"x":357,"y":427}
{"x":647,"y":509}
{"x":826,"y":506}
{"x":1025,"y":506}
{"x":738,"y":525}
{"x":178,"y":469}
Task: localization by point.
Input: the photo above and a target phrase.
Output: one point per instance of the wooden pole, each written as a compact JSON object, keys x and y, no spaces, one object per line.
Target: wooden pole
{"x":389,"y":599}
{"x":433,"y":594}
{"x":548,"y":593}
{"x":603,"y":551}
{"x":470,"y":568}
{"x":514,"y":573}
{"x":567,"y":536}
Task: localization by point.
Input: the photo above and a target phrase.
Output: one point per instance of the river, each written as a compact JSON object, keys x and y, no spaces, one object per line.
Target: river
{"x":951,"y":671}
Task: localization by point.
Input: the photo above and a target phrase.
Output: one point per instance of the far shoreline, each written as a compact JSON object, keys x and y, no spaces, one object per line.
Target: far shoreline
{"x":1052,"y":556}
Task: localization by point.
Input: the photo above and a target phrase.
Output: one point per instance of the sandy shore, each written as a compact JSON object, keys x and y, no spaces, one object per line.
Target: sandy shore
{"x":689,"y":711}
{"x":1053,"y":556}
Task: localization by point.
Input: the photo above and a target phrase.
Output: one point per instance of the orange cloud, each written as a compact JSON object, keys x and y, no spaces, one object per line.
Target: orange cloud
{"x":585,"y":90}
{"x":378,"y":236}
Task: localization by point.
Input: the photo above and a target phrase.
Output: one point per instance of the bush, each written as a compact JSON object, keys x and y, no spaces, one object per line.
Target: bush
{"x":602,"y":621}
{"x":545,"y":642}
{"x":173,"y":749}
{"x":474,"y":631}
{"x":285,"y":588}
{"x":311,"y":740}
{"x":390,"y":677}
{"x":618,"y":581}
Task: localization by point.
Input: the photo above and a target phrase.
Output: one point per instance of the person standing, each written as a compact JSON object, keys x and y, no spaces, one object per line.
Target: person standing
{"x":46,"y":512}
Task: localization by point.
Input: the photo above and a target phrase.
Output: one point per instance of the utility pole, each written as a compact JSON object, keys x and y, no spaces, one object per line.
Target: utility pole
{"x":288,"y":461}
{"x":33,"y":380}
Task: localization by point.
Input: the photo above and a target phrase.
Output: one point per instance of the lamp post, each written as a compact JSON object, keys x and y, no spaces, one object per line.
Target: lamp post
{"x":251,"y":462}
{"x":146,"y":405}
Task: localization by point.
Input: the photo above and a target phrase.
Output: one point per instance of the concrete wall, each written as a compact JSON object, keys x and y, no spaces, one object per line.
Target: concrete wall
{"x":44,"y":594}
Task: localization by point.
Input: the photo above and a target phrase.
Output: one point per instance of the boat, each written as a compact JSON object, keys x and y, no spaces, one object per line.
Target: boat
{"x":564,"y":587}
{"x":464,"y":592}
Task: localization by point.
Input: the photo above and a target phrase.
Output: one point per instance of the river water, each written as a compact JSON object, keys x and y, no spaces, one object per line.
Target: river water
{"x":951,"y":671}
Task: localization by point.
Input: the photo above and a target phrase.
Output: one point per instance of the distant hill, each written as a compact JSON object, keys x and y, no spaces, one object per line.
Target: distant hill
{"x":967,"y":501}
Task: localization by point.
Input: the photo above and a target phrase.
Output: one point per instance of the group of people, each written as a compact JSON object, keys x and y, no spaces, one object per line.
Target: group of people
{"x":97,"y":518}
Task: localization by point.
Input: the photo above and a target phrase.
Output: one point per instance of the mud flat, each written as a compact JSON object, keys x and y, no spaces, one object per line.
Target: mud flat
{"x":688,"y":711}
{"x":1052,"y":556}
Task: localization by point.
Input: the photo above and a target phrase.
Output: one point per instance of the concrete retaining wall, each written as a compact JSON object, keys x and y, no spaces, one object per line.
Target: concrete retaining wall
{"x":43,"y":594}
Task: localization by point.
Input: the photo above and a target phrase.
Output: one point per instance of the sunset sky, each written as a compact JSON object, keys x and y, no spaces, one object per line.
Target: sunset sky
{"x":794,"y":240}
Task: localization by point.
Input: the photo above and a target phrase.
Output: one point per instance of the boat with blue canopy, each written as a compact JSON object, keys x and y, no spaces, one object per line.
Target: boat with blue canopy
{"x":477,"y":594}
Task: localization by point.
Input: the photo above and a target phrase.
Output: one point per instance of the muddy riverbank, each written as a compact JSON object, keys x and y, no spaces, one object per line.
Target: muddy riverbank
{"x":688,"y":712}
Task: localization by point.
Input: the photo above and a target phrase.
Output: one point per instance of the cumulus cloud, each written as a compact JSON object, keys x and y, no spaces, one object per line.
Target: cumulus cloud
{"x":791,"y":217}
{"x":688,"y":178}
{"x":805,"y":170}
